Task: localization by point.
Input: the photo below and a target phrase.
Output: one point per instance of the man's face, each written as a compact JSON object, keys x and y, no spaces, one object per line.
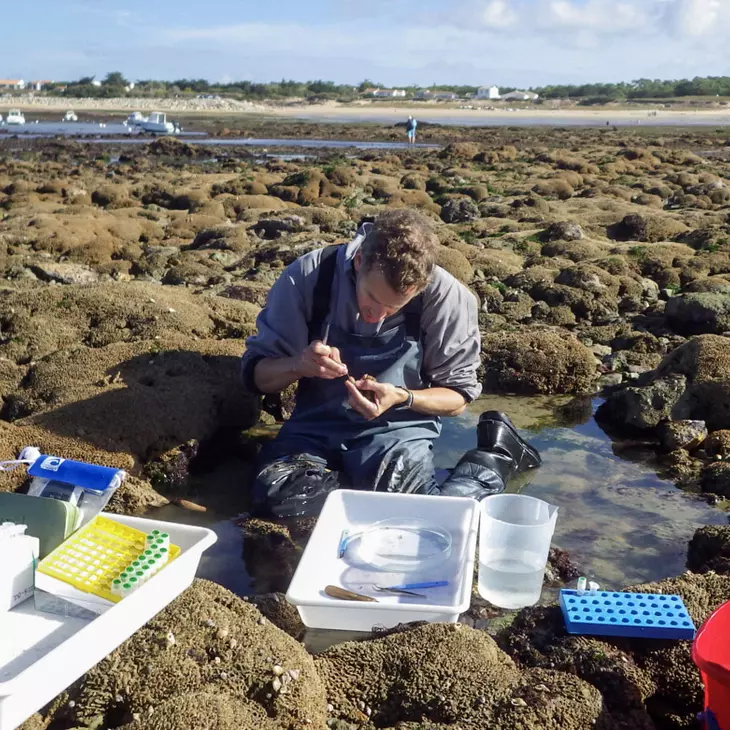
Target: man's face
{"x":376,"y":300}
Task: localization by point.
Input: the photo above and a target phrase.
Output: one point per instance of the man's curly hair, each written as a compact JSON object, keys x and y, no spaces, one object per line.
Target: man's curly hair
{"x":402,"y":245}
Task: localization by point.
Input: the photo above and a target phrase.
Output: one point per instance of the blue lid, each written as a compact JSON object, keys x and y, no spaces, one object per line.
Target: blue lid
{"x":88,"y":476}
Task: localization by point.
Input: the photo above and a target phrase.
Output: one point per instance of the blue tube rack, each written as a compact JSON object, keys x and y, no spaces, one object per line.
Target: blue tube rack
{"x":638,"y":615}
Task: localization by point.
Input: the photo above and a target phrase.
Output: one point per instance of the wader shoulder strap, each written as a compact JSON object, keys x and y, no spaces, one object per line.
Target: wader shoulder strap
{"x":323,"y":290}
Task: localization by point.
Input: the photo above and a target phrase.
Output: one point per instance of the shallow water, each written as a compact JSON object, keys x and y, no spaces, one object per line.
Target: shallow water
{"x":618,"y":520}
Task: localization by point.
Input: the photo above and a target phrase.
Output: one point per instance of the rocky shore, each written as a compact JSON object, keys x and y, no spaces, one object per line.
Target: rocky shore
{"x":131,"y":275}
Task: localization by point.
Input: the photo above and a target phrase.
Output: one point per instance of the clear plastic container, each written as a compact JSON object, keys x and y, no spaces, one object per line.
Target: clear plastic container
{"x":515,"y":533}
{"x":404,"y":545}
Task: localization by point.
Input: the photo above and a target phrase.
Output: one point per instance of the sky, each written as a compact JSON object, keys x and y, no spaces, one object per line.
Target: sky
{"x":518,"y":43}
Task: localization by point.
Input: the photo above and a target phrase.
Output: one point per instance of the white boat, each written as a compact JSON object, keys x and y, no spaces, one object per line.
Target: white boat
{"x":157,"y":124}
{"x":15,"y":116}
{"x":70,"y":116}
{"x":135,"y":119}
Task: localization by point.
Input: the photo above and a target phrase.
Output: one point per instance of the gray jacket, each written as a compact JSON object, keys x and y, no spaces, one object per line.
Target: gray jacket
{"x":449,"y":321}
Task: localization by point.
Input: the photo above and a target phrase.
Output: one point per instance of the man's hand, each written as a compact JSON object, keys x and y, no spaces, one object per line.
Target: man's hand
{"x":320,"y":361}
{"x":384,"y":396}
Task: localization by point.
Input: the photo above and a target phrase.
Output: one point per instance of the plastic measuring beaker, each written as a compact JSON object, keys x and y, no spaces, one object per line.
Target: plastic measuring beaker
{"x":515,"y":532}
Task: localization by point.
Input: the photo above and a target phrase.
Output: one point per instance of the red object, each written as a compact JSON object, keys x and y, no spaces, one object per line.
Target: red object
{"x":711,"y":653}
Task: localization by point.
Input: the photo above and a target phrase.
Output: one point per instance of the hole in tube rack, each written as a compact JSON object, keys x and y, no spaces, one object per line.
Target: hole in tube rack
{"x":624,"y":620}
{"x":601,"y":618}
{"x":685,"y":623}
{"x":613,"y":620}
{"x":662,"y":623}
{"x":637,"y":620}
{"x":672,"y":623}
{"x":649,"y":621}
{"x":617,"y":595}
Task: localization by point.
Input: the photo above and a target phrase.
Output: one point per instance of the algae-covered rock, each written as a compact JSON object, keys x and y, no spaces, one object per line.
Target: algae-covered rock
{"x":537,"y":362}
{"x":699,"y":313}
{"x":210,"y":644}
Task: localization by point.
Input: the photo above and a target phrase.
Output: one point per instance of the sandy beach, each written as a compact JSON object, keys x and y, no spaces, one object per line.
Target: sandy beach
{"x":368,"y":111}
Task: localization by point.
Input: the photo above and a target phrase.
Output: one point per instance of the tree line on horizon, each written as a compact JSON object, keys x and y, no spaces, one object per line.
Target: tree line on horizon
{"x":114,"y":84}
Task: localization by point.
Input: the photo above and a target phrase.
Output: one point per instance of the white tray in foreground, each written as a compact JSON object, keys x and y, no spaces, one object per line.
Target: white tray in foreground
{"x":43,"y":653}
{"x":355,"y":511}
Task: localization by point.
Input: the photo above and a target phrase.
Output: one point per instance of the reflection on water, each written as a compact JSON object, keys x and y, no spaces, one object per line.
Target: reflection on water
{"x":617,"y":519}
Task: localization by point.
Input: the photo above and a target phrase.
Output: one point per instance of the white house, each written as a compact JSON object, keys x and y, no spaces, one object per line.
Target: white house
{"x":96,"y":83}
{"x":389,"y":92}
{"x":12,"y":84}
{"x":488,"y":92}
{"x":520,"y":96}
{"x":428,"y":94}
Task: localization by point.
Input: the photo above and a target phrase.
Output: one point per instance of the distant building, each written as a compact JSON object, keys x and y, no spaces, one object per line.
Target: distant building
{"x":520,"y":96}
{"x":12,"y":84}
{"x":39,"y":85}
{"x":389,"y":92}
{"x":96,"y":83}
{"x":442,"y":95}
{"x":487,"y":92}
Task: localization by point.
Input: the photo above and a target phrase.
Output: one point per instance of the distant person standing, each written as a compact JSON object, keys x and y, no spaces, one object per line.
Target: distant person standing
{"x":411,"y":125}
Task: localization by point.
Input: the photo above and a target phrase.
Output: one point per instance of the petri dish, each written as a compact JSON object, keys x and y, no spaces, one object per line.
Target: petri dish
{"x":404,"y":545}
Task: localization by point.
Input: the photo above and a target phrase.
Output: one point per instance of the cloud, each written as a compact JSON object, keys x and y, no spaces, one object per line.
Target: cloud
{"x":598,"y":16}
{"x":499,"y":14}
{"x":697,"y":18}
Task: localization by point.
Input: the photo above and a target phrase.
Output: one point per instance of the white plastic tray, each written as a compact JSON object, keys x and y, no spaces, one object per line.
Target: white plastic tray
{"x":41,"y":653}
{"x":319,"y":565}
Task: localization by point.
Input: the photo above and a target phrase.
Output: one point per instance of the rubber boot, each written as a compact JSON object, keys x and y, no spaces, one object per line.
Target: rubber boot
{"x":501,"y":454}
{"x":294,"y":486}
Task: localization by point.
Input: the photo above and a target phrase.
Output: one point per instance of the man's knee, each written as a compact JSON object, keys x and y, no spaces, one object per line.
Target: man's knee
{"x":294,"y":485}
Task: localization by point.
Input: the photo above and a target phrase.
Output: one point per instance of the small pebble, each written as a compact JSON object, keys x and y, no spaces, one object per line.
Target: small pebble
{"x":268,"y":695}
{"x":72,"y":704}
{"x":330,"y":708}
{"x":368,"y":711}
{"x":224,"y":675}
{"x":276,"y":684}
{"x":233,"y":643}
{"x":277,"y":670}
{"x":262,"y":621}
{"x":361,"y":705}
{"x":541,"y":688}
{"x":119,"y":698}
{"x":216,"y":660}
{"x":294,"y":674}
{"x":222,"y":633}
{"x":136,"y":716}
{"x":170,"y":639}
{"x":150,"y":710}
{"x":518,"y":702}
{"x":209,"y":622}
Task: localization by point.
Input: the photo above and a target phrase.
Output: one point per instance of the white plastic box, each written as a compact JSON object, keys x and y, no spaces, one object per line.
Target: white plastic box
{"x":41,"y":653}
{"x":320,"y":565}
{"x":18,"y":556}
